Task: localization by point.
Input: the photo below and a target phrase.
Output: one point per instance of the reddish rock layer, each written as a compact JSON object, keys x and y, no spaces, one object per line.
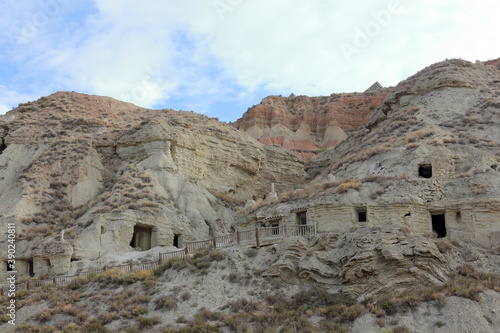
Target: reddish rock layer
{"x":306,"y":124}
{"x":495,"y":62}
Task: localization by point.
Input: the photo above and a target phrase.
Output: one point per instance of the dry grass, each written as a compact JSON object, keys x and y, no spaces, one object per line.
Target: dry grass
{"x":72,"y":130}
{"x":341,"y":186}
{"x":478,"y":189}
{"x":228,"y":198}
{"x":90,"y":312}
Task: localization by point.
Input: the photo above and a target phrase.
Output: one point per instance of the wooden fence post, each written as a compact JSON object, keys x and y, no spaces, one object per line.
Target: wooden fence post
{"x":238,"y":237}
{"x":215,"y":243}
{"x":159,"y":259}
{"x":131,"y":267}
{"x":28,"y":285}
{"x":284,"y":229}
{"x":1,"y":291}
{"x":257,"y":243}
{"x":186,"y":250}
{"x":54,"y":281}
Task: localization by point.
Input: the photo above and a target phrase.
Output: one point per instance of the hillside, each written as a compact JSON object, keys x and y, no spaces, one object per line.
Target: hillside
{"x":396,"y":194}
{"x":307,"y":125}
{"x":427,"y":161}
{"x":108,"y":173}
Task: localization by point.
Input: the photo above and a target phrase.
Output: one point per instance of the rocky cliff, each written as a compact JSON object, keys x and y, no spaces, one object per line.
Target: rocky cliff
{"x":427,"y":160}
{"x":358,"y":261}
{"x":305,"y":124}
{"x":494,"y":62}
{"x":108,"y":172}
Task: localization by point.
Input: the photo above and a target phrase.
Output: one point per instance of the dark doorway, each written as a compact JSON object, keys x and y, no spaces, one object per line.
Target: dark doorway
{"x":141,"y":238}
{"x":439,"y":225}
{"x":30,"y":268}
{"x":132,"y":242}
{"x":2,"y":146}
{"x":425,"y":170}
{"x":178,"y":241}
{"x":302,"y":218}
{"x":361,"y":215}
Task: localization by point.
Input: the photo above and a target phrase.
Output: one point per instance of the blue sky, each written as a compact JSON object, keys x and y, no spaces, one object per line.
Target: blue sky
{"x":220,"y":57}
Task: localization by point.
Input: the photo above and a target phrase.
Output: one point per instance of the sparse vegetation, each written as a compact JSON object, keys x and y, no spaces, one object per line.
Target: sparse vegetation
{"x":93,"y":311}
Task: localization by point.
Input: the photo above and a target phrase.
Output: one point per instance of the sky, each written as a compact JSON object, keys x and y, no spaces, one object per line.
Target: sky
{"x":220,"y":57}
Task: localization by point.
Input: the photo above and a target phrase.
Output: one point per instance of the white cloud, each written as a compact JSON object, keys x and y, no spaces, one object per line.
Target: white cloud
{"x":10,"y":99}
{"x":204,"y":51}
{"x":4,"y":108}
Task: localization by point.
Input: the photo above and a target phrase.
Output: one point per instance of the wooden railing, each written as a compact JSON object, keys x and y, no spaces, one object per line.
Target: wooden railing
{"x":253,"y":237}
{"x":246,"y":237}
{"x":168,"y":255}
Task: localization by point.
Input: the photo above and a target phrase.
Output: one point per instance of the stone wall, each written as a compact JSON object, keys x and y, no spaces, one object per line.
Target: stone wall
{"x":330,"y":217}
{"x":487,"y":218}
{"x":465,"y":221}
{"x":443,"y":169}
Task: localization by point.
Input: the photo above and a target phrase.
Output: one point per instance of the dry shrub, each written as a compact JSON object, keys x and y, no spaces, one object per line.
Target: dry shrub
{"x":257,"y":204}
{"x":166,"y":302}
{"x":443,"y":245}
{"x":147,"y":322}
{"x":350,"y":184}
{"x":478,"y":189}
{"x":405,"y":229}
{"x":413,"y":145}
{"x":431,"y":234}
{"x":417,"y":135}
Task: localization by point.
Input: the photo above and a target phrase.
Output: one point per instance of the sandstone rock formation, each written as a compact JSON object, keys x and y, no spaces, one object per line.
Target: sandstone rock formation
{"x":427,"y":160}
{"x":495,"y":63}
{"x":365,"y":262}
{"x":305,"y":124}
{"x":117,"y":177}
{"x":457,"y":314}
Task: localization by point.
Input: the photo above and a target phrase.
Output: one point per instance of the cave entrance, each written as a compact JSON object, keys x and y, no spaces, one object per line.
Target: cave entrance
{"x":31,"y":271}
{"x":361,"y":214}
{"x":302,"y":222}
{"x":2,"y":146}
{"x":141,"y":239}
{"x":425,"y":170}
{"x":178,"y":241}
{"x":439,"y":225}
{"x":302,"y":218}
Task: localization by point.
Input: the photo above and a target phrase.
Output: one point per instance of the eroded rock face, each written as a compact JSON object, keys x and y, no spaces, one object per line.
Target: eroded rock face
{"x":457,"y":314}
{"x":305,"y":124}
{"x":222,"y":159}
{"x":366,"y":261}
{"x":109,"y":173}
{"x":57,"y":254}
{"x":495,"y":63}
